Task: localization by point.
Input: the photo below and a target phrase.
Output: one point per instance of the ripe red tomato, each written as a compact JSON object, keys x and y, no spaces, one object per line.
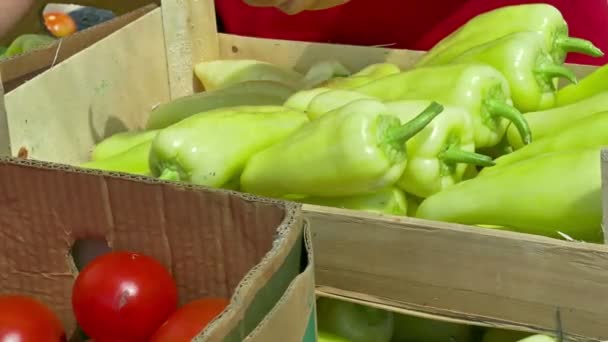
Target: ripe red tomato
{"x":25,"y":319}
{"x":190,"y":320}
{"x":123,"y":296}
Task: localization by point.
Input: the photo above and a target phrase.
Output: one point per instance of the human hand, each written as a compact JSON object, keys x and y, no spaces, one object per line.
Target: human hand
{"x":296,"y":6}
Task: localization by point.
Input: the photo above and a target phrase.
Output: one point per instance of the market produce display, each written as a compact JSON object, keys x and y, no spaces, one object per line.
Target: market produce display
{"x":478,"y":132}
{"x":118,"y":296}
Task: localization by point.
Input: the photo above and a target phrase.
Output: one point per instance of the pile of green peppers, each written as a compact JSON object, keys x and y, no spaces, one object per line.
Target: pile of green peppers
{"x":478,"y":132}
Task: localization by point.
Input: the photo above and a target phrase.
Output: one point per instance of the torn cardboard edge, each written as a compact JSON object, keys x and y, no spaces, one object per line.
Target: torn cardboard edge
{"x":287,"y":240}
{"x":19,"y":69}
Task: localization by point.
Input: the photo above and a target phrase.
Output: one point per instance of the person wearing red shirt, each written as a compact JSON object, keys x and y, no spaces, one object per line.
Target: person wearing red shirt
{"x":401,"y":24}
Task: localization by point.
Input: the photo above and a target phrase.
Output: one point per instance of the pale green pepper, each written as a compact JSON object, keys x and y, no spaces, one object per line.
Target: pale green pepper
{"x":480,"y":89}
{"x":133,"y":160}
{"x":591,"y":85}
{"x":370,"y":73}
{"x":301,"y":99}
{"x":211,"y":148}
{"x":390,"y":201}
{"x":355,"y":149}
{"x":330,"y":100}
{"x":121,"y":142}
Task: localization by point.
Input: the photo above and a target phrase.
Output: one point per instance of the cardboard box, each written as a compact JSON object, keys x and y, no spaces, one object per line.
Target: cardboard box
{"x":425,"y":268}
{"x":216,"y":243}
{"x":17,"y":70}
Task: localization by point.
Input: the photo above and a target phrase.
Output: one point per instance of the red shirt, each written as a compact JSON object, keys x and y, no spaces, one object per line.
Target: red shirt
{"x":404,"y":24}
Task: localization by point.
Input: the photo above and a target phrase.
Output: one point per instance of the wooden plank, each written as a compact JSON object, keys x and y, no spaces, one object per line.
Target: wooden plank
{"x":485,"y":276}
{"x":5,"y":140}
{"x":190,"y":37}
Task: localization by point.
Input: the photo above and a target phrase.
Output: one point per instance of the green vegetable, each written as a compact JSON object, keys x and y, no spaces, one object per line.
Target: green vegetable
{"x":530,"y":71}
{"x":328,"y":337}
{"x":248,"y":93}
{"x":491,"y":25}
{"x":553,"y":121}
{"x":355,"y":322}
{"x":478,"y":88}
{"x":370,"y":73}
{"x":391,"y":201}
{"x":588,"y":132}
{"x":591,"y":85}
{"x":551,"y":193}
{"x":327,"y":101}
{"x":501,"y":335}
{"x":133,"y":160}
{"x":355,"y":149}
{"x":211,"y":148}
{"x":416,"y":329}
{"x":439,"y":155}
{"x":321,"y":72}
{"x":538,"y":338}
{"x":121,"y":142}
{"x":413,"y":202}
{"x":301,"y":99}
{"x":28,"y":42}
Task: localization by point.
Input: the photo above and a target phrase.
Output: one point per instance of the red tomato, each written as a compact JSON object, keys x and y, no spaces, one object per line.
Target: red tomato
{"x":123,"y":296}
{"x":59,"y":24}
{"x":25,"y":319}
{"x":190,"y":320}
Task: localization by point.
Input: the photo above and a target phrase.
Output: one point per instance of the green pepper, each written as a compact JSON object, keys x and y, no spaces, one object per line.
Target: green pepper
{"x":551,"y":193}
{"x":591,"y":85}
{"x":301,"y":99}
{"x":355,"y":322}
{"x":538,"y":338}
{"x":585,"y":133}
{"x":370,"y":73}
{"x":530,"y":71}
{"x":211,"y":148}
{"x":553,"y":121}
{"x":414,"y":329}
{"x":390,"y":201}
{"x":439,"y":155}
{"x":248,"y":93}
{"x":486,"y":27}
{"x":330,"y":100}
{"x":355,"y":149}
{"x":324,"y":336}
{"x":133,"y":160}
{"x":502,"y":335}
{"x":480,"y":89}
{"x":121,"y":142}
{"x":28,"y":42}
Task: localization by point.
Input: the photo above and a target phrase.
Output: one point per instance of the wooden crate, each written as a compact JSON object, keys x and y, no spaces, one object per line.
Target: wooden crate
{"x":426,"y":268}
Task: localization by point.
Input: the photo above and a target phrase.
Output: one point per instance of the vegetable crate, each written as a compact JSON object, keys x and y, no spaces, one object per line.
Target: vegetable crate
{"x":452,"y":272}
{"x":215,"y":243}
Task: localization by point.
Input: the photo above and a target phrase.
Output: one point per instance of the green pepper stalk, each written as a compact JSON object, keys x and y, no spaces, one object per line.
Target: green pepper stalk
{"x":248,"y":93}
{"x":390,"y":201}
{"x":355,"y":149}
{"x":355,"y":322}
{"x":121,"y":142}
{"x":370,"y":73}
{"x":480,"y":89}
{"x":545,"y":195}
{"x":591,"y":85}
{"x":439,"y":155}
{"x":133,"y":160}
{"x":211,"y":148}
{"x":542,"y":18}
{"x":585,"y":133}
{"x":531,"y":73}
{"x":553,"y":121}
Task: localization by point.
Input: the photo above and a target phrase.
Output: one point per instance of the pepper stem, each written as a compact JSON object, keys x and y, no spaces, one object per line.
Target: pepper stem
{"x":572,"y":44}
{"x":499,"y":108}
{"x":169,"y":175}
{"x":553,"y":70}
{"x":403,"y":133}
{"x":455,"y":155}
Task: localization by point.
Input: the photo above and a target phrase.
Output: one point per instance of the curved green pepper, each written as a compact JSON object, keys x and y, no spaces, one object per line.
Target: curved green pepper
{"x":587,"y":132}
{"x":370,"y":73}
{"x":530,"y":71}
{"x":502,"y":335}
{"x":248,"y":93}
{"x":327,"y":101}
{"x":486,"y":27}
{"x":390,"y":201}
{"x":301,"y":99}
{"x":591,"y":85}
{"x":355,"y":322}
{"x":133,"y":160}
{"x":439,"y":155}
{"x":480,"y":89}
{"x":533,"y":196}
{"x":538,"y":338}
{"x":28,"y":42}
{"x":355,"y":149}
{"x":121,"y":142}
{"x":415,"y":329}
{"x":553,"y":121}
{"x":211,"y":148}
